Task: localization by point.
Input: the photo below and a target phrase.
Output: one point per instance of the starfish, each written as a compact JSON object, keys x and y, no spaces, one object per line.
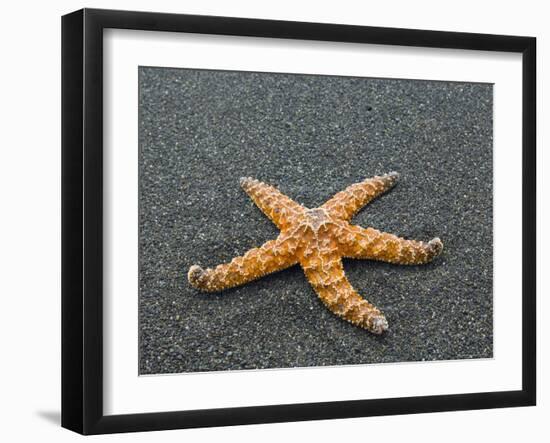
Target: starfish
{"x":318,"y":239}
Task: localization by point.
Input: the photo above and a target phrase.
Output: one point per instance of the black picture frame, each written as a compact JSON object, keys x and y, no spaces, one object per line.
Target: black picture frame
{"x":82,"y":216}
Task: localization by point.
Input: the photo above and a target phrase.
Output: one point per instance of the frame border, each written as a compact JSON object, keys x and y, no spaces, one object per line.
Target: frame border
{"x":82,"y":220}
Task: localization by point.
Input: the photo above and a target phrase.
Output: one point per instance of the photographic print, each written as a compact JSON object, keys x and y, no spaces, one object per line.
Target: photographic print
{"x":291,"y":220}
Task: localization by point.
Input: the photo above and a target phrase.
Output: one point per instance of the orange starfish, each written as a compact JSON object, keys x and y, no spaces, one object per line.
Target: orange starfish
{"x":317,"y":239}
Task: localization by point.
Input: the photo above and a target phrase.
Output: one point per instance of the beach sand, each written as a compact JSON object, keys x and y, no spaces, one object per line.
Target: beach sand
{"x":311,"y":136}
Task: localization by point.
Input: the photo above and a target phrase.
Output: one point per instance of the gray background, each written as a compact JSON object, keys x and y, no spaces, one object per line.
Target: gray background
{"x":312,"y":136}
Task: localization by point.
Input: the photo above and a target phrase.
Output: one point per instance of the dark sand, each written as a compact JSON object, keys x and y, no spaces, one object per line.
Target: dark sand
{"x":311,"y":136}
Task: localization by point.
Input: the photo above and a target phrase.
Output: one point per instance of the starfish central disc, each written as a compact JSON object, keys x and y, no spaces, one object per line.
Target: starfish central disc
{"x":318,"y":239}
{"x":317,"y":217}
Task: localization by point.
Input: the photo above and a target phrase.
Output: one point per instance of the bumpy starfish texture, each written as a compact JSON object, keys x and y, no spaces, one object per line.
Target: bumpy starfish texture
{"x":318,"y":239}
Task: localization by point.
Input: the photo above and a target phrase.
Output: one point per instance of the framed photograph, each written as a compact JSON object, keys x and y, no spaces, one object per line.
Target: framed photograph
{"x":269,"y":221}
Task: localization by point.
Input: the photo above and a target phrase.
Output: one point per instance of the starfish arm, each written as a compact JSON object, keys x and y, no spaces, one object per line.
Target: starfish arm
{"x":274,"y":204}
{"x":326,"y":276}
{"x":272,"y":256}
{"x":348,"y":202}
{"x":372,"y":244}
